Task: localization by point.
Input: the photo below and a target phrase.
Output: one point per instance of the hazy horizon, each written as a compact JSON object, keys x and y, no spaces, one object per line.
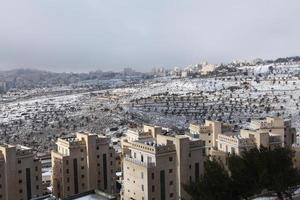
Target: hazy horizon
{"x":83,"y":36}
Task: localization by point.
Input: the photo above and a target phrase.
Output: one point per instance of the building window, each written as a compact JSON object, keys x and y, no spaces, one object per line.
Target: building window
{"x":19,"y":161}
{"x":21,"y":191}
{"x":170,"y":170}
{"x":67,"y":171}
{"x":171,"y":183}
{"x":171,"y":195}
{"x":82,"y":176}
{"x":20,"y":181}
{"x":82,"y":167}
{"x":152,"y":176}
{"x":36,"y":169}
{"x":153,"y":188}
{"x":98,"y":156}
{"x":82,"y":159}
{"x":142,"y":175}
{"x":170,"y":159}
{"x":81,"y":150}
{"x":20,"y":171}
{"x":37,"y":187}
{"x":142,"y":187}
{"x":97,"y":147}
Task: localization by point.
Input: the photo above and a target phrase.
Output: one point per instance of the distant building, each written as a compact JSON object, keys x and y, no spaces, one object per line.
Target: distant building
{"x":128,"y":71}
{"x":3,"y":87}
{"x":156,"y":165}
{"x":207,"y":68}
{"x":20,"y":173}
{"x":83,"y":163}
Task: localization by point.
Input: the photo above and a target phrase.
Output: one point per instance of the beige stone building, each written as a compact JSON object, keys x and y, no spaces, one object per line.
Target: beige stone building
{"x":83,"y":163}
{"x":156,"y":164}
{"x":209,"y":133}
{"x":20,"y":173}
{"x":269,"y":132}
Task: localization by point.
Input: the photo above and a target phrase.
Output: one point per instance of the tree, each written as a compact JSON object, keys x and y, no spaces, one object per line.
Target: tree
{"x":214,"y":184}
{"x":279,"y":174}
{"x":248,"y":174}
{"x":244,"y":174}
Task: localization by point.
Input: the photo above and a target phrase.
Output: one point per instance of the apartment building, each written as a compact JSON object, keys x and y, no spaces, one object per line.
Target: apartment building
{"x":209,"y":133}
{"x":20,"y":173}
{"x":82,"y":163}
{"x":270,"y":132}
{"x":157,"y":164}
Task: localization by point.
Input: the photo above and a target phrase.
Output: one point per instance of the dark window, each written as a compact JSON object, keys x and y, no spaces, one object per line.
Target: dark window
{"x":153,"y":188}
{"x":28,"y":183}
{"x":171,"y":195}
{"x":197,"y":173}
{"x":170,"y":170}
{"x":19,"y":161}
{"x":152,"y":176}
{"x":171,"y":183}
{"x":82,"y":167}
{"x":170,"y":159}
{"x":20,"y":171}
{"x":104,"y":171}
{"x":75,"y":175}
{"x":81,"y":150}
{"x":162,"y":185}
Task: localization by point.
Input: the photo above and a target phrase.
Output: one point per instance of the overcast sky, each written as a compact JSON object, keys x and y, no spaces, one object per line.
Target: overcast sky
{"x":84,"y":35}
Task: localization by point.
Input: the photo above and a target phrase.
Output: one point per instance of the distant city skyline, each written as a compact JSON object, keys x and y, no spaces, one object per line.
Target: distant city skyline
{"x":82,"y":36}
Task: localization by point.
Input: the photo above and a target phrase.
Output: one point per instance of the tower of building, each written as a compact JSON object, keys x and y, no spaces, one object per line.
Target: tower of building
{"x":20,"y":173}
{"x":82,"y":163}
{"x":156,"y":165}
